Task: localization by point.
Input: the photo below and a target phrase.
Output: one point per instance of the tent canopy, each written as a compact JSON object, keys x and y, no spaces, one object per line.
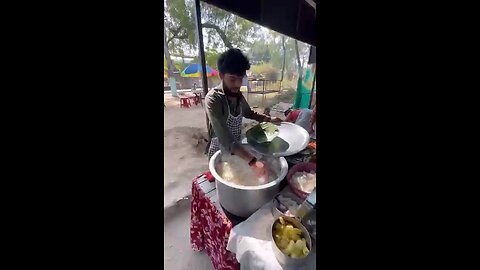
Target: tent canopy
{"x":293,"y":18}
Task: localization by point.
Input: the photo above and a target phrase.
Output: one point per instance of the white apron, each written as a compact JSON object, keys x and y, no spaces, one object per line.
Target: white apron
{"x":234,"y":125}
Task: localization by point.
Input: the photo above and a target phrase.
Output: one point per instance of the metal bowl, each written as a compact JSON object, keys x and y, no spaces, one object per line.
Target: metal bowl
{"x":291,"y":139}
{"x":276,"y":213}
{"x":283,"y":258}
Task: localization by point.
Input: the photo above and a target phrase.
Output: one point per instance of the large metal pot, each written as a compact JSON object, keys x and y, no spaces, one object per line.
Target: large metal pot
{"x":243,"y":201}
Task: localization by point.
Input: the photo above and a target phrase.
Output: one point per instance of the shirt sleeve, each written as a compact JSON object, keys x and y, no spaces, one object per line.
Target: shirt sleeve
{"x":250,"y":114}
{"x":213,"y":104}
{"x":292,"y":116}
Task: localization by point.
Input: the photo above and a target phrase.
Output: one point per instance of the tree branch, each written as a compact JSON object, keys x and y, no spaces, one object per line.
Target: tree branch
{"x":220,"y":32}
{"x":176,"y":34}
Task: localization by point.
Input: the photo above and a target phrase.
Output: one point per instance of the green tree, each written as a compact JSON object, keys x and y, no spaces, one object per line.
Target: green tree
{"x":222,"y":28}
{"x":180,"y":26}
{"x":231,"y":29}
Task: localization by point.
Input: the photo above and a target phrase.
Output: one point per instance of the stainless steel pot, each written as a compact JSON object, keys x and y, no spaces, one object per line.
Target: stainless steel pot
{"x":243,"y":201}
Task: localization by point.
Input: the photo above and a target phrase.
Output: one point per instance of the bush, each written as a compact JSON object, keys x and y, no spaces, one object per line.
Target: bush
{"x":266,"y":71}
{"x":289,"y":84}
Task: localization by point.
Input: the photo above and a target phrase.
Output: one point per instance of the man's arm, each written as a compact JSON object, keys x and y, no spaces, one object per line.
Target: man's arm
{"x":213,"y":104}
{"x":250,"y":114}
{"x":215,"y":114}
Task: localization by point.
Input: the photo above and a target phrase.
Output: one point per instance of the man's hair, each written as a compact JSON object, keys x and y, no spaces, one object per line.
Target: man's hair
{"x":234,"y":62}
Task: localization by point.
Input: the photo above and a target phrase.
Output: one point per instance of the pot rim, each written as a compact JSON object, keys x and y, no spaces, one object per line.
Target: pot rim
{"x":281,"y":176}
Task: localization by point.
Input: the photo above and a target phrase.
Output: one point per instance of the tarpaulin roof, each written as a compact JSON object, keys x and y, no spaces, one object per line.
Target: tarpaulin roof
{"x":293,"y":18}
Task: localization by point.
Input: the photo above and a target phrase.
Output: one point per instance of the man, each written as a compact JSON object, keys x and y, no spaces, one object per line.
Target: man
{"x":301,"y":117}
{"x":226,"y":106}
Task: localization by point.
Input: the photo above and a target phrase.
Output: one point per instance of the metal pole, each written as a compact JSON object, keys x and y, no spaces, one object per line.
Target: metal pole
{"x":198,"y":20}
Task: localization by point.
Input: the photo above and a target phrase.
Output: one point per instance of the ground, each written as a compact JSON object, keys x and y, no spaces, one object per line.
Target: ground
{"x":185,"y":135}
{"x":178,"y":254}
{"x":184,"y":130}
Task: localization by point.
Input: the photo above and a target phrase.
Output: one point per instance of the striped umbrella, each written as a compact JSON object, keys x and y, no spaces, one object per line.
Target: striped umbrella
{"x":195,"y":71}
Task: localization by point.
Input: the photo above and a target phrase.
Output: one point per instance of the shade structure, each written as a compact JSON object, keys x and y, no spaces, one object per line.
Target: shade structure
{"x":195,"y":71}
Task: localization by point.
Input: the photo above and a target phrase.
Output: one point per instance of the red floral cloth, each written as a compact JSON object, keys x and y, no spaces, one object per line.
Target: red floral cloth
{"x":210,"y":229}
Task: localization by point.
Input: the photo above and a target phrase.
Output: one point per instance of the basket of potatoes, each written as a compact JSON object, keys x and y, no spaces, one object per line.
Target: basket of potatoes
{"x":291,"y":241}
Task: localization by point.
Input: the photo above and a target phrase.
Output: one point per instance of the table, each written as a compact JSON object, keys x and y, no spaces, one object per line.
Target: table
{"x":211,"y":224}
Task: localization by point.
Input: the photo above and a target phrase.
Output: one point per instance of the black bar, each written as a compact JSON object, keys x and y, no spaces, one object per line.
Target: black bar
{"x":198,"y":20}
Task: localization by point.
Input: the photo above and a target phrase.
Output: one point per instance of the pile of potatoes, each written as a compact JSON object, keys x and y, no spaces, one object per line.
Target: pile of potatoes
{"x":289,"y":239}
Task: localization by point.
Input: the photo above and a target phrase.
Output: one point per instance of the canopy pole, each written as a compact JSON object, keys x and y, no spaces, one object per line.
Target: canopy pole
{"x":198,"y":23}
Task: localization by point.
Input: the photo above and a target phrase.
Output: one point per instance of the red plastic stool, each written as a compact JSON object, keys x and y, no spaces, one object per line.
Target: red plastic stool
{"x":196,"y":100}
{"x":185,"y":102}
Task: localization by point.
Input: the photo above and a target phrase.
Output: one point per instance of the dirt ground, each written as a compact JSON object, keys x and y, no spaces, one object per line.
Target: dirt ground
{"x":185,"y":135}
{"x":178,"y":254}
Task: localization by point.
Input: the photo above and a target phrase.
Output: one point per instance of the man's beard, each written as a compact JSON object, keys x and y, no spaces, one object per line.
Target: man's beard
{"x":232,"y":94}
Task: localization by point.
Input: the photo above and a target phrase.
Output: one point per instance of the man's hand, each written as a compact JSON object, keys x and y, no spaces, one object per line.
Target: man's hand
{"x":276,"y":120}
{"x":261,"y":171}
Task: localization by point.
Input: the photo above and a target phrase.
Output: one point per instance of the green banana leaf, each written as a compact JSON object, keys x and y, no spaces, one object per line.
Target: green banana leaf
{"x":263,"y":132}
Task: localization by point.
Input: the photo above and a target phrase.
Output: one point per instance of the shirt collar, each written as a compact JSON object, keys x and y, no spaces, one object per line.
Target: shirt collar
{"x":219,"y":88}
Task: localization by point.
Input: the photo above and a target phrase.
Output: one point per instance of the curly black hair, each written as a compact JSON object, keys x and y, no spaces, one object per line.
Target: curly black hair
{"x":233,"y":61}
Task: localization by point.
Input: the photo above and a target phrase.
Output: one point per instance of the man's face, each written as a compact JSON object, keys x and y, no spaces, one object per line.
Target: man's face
{"x":231,"y":82}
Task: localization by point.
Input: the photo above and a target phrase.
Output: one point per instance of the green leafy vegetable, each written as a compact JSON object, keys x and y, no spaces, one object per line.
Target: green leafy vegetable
{"x":263,"y":132}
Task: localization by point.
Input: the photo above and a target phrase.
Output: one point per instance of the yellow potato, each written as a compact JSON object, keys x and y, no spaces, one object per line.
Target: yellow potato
{"x":295,"y":256}
{"x":283,"y":243}
{"x":293,"y":233}
{"x":289,"y":240}
{"x":294,"y":237}
{"x":296,"y":231}
{"x":300,"y":244}
{"x":290,"y":247}
{"x":305,"y":251}
{"x":297,"y":253}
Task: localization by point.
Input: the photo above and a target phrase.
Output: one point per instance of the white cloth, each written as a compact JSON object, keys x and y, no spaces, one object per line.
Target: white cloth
{"x":250,"y":241}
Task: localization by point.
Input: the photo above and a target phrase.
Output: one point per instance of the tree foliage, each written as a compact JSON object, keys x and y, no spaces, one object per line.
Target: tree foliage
{"x":222,"y":30}
{"x":265,"y":71}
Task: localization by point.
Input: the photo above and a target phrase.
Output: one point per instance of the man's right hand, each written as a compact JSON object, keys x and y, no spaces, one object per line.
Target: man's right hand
{"x":261,"y":170}
{"x":276,"y":121}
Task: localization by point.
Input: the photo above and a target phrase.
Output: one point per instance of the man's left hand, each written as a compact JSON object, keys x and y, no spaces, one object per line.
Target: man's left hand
{"x":276,"y":120}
